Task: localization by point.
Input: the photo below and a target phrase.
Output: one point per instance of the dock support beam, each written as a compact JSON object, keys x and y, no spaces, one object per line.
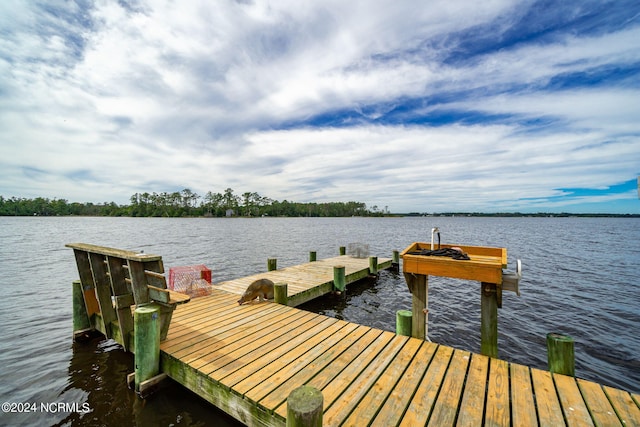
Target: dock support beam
{"x":488,"y":319}
{"x":272,"y":264}
{"x":343,"y":250}
{"x":280,"y":293}
{"x":147,"y":343}
{"x":419,"y":287}
{"x":403,"y":323}
{"x":304,"y":407}
{"x":312,"y":256}
{"x":560,"y":354}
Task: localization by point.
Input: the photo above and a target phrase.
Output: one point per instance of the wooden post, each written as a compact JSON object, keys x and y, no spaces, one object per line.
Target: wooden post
{"x":304,"y":407}
{"x":272,"y":264}
{"x":280,"y":293}
{"x":419,"y":287}
{"x":343,"y":250}
{"x":312,"y":256}
{"x":395,"y":261}
{"x":147,"y":342}
{"x":560,"y":354}
{"x":81,"y":322}
{"x":339,"y":278}
{"x":373,"y":265}
{"x":488,"y":319}
{"x":403,"y":322}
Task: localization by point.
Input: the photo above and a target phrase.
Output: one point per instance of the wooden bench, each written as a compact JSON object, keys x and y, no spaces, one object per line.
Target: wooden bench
{"x":113,"y":281}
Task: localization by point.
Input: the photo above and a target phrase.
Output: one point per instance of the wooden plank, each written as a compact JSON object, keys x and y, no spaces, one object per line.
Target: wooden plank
{"x":103,"y":291}
{"x":334,"y":389}
{"x":254,"y":340}
{"x":300,"y":369}
{"x":139,"y":284}
{"x":548,"y":405}
{"x":497,"y":409}
{"x":199,"y":340}
{"x":229,"y":371}
{"x":368,"y":407}
{"x":598,"y":405}
{"x":392,"y":410}
{"x":424,"y":398}
{"x":573,"y":406}
{"x":472,"y":405}
{"x":446,"y":407}
{"x":118,"y":253}
{"x":322,"y":370}
{"x":86,"y":278}
{"x":626,"y":408}
{"x":523,"y":409}
{"x":264,"y":368}
{"x":121,"y":293}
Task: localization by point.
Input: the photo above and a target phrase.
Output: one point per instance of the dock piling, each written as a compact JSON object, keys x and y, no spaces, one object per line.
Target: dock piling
{"x":403,"y":322}
{"x":304,"y":407}
{"x":272,"y":264}
{"x":373,"y":265}
{"x":488,"y":319}
{"x":280,"y":293}
{"x":147,"y":343}
{"x":560,"y":354}
{"x":312,"y":256}
{"x":419,"y":287}
{"x":343,"y":250}
{"x":339,"y":278}
{"x":395,"y":261}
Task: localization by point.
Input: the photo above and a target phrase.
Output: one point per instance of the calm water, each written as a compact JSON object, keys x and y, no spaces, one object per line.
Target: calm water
{"x":581,"y":277}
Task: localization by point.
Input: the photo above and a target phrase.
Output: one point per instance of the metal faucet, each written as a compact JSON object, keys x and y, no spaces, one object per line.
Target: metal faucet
{"x":435,"y":230}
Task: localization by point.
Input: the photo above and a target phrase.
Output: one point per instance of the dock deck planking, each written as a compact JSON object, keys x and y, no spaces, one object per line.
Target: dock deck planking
{"x":247,"y":359}
{"x":309,"y":280}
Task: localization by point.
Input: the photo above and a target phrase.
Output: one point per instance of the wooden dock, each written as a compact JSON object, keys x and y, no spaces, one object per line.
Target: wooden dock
{"x":247,"y":359}
{"x":309,"y":280}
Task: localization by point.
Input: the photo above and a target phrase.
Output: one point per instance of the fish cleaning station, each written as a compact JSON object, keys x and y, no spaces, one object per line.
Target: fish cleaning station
{"x":271,"y":364}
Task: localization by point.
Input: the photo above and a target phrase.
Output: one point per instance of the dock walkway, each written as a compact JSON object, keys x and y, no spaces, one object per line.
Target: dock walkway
{"x":309,"y":280}
{"x":247,"y":359}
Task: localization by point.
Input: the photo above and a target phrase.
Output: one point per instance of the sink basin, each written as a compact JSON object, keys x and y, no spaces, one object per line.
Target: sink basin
{"x":485,"y":265}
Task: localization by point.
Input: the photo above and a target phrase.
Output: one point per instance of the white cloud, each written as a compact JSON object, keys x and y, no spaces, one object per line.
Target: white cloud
{"x":111,"y":101}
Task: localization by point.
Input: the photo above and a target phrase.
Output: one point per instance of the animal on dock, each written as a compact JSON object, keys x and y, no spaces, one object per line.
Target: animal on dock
{"x":261,"y":289}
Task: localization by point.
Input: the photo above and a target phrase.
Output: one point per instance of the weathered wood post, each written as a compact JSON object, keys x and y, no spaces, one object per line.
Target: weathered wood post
{"x":339,"y":278}
{"x":81,"y":322}
{"x":272,"y":264}
{"x":395,"y":261}
{"x":312,"y":256}
{"x":343,"y":250}
{"x":280,"y":293}
{"x":560,"y":354}
{"x":419,"y":287}
{"x":488,"y":319}
{"x":373,"y":265}
{"x":147,"y":342}
{"x":304,"y":407}
{"x":403,"y":322}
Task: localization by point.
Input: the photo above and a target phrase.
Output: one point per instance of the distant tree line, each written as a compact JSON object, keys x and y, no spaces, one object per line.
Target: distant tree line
{"x":186,"y":203}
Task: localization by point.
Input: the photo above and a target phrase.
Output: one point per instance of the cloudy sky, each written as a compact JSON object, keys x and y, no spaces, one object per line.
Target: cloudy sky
{"x":431,"y":106}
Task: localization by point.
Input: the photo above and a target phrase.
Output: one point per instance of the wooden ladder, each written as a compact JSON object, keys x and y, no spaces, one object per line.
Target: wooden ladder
{"x":115,"y":280}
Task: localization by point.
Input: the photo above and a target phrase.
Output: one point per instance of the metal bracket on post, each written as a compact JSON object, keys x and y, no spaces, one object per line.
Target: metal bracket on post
{"x":511,"y":281}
